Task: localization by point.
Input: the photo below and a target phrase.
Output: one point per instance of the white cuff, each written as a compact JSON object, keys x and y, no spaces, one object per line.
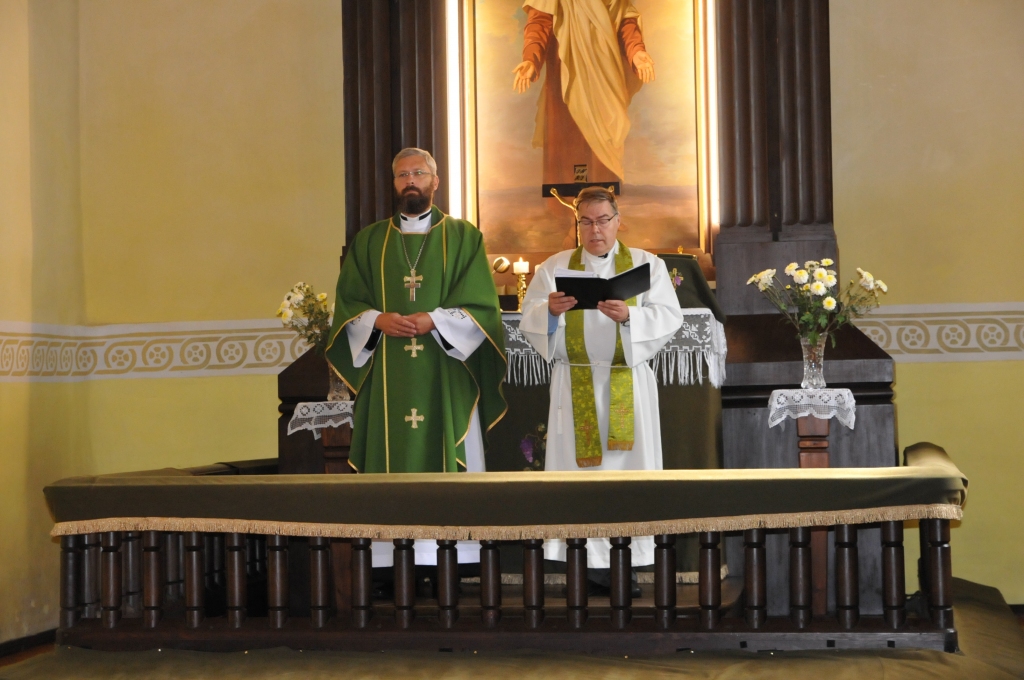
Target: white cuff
{"x":361,"y":339}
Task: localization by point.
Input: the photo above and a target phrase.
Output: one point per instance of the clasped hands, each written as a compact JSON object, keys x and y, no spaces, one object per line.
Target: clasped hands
{"x":398,"y":326}
{"x":616,"y":310}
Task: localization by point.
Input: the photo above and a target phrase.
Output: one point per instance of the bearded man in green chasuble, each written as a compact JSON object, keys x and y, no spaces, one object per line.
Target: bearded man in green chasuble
{"x":417,"y":335}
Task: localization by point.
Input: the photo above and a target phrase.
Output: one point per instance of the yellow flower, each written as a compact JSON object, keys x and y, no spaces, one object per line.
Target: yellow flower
{"x":321,"y":297}
{"x":788,"y":286}
{"x":800,"y":276}
{"x":827,"y":262}
{"x":820,"y":274}
{"x":829,"y":303}
{"x":805,"y":287}
{"x":791,"y":268}
{"x":286,"y":316}
{"x":879,"y":283}
{"x":818,"y":288}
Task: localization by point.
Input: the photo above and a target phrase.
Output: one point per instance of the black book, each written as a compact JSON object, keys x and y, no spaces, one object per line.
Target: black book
{"x":589,"y":291}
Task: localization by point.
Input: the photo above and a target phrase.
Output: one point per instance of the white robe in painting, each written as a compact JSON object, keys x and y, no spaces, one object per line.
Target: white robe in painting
{"x":652,"y":323}
{"x":459,"y":337}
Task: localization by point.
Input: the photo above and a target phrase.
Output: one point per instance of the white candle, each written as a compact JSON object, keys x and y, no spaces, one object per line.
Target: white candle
{"x":520,"y":267}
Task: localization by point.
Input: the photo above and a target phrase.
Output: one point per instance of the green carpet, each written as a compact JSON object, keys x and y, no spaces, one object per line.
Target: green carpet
{"x":990,"y":639}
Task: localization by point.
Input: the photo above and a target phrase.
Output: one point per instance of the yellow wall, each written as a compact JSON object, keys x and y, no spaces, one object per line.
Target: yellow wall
{"x":928,"y":161}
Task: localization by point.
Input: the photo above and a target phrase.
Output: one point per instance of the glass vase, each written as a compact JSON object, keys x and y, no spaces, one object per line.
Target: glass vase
{"x":337,"y":390}
{"x":814,"y":360}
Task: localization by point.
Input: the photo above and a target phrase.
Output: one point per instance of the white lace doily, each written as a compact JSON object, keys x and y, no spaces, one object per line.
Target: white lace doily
{"x":316,"y":415}
{"x":823,"y":404}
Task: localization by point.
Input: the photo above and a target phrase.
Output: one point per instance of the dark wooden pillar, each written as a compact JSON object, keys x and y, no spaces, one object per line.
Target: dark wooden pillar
{"x":847,"y":576}
{"x":490,"y":583}
{"x":894,"y":590}
{"x":152,"y":578}
{"x":91,"y":576}
{"x":195,"y":579}
{"x":533,"y":581}
{"x":664,"y":580}
{"x":755,"y":575}
{"x":447,"y":583}
{"x":319,"y":580}
{"x":237,"y":579}
{"x":277,"y":580}
{"x":131,"y":551}
{"x":174,"y":584}
{"x":940,"y":573}
{"x":621,"y":598}
{"x":405,"y":582}
{"x":362,"y":582}
{"x":709,"y":577}
{"x":800,"y":576}
{"x":576,"y":587}
{"x":110,"y":578}
{"x":70,"y":580}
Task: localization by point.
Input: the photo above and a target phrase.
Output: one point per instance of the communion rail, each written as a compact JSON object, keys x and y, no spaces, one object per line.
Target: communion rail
{"x":198,"y":559}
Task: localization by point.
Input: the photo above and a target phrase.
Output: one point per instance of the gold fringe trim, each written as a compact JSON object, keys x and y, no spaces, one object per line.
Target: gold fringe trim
{"x":513,"y":533}
{"x":588,"y":462}
{"x":620,"y":446}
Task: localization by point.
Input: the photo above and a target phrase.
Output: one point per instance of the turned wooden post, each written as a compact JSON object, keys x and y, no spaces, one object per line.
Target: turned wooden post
{"x":215,"y":560}
{"x":237,"y":581}
{"x":940,"y":573}
{"x":152,"y":578}
{"x":277,"y":580}
{"x":576,"y":581}
{"x":405,"y":582}
{"x":195,"y":579}
{"x":800,"y":576}
{"x":756,"y":577}
{"x":812,"y":436}
{"x":319,"y":581}
{"x":621,"y":599}
{"x":894,"y":590}
{"x":447,"y":583}
{"x":847,"y":576}
{"x":174,"y":584}
{"x":922,"y":561}
{"x":131,"y":551}
{"x":362,"y":582}
{"x":664,"y":580}
{"x":533,"y":582}
{"x":250,"y":555}
{"x":490,"y":583}
{"x":91,"y":576}
{"x":709,"y":578}
{"x":70,"y":580}
{"x":261,"y":554}
{"x":110,"y":579}
{"x":341,"y":575}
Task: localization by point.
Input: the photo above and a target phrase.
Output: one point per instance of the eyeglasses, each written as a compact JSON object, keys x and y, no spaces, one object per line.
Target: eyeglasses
{"x":601,"y":222}
{"x":415,"y":173}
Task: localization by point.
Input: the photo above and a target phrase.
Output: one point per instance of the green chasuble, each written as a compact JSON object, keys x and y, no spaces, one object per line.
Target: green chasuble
{"x":413,"y":401}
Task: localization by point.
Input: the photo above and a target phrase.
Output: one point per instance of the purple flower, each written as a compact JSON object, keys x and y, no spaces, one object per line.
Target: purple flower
{"x":526,"y":446}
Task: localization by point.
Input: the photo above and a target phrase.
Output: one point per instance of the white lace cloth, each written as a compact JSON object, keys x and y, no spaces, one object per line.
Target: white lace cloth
{"x":823,"y":404}
{"x":316,"y":415}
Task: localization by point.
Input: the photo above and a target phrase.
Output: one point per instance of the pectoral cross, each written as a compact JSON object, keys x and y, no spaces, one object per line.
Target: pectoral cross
{"x":412,"y":283}
{"x":413,"y":348}
{"x":414,"y":419}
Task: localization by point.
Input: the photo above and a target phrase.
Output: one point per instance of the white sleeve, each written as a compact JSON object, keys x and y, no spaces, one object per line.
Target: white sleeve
{"x":456,"y":332}
{"x":655,"y":320}
{"x":362,"y":336}
{"x":542,"y":330}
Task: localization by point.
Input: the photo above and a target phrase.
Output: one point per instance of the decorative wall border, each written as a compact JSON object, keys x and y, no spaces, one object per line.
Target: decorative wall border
{"x":948,"y":332}
{"x":48,"y":353}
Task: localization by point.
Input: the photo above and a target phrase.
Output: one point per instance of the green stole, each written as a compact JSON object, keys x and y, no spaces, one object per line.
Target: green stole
{"x":584,"y":408}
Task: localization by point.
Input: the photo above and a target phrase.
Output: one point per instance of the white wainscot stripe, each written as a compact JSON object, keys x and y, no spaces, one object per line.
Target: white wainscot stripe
{"x":48,"y":353}
{"x":991,"y":331}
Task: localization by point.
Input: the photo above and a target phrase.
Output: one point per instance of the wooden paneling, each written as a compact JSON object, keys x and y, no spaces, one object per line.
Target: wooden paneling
{"x":395,"y":96}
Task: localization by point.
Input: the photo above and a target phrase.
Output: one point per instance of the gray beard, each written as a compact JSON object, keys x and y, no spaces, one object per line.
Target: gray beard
{"x":414,"y":203}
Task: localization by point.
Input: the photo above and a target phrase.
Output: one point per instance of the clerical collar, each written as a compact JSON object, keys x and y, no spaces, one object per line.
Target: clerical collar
{"x":415,"y":220}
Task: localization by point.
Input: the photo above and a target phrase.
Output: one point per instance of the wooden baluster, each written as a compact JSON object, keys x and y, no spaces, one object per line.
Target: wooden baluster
{"x":922,"y":561}
{"x":70,"y":580}
{"x":341,"y":575}
{"x":709,"y":577}
{"x":621,"y":586}
{"x":261,"y":555}
{"x":940,"y":573}
{"x":110,"y":568}
{"x":756,"y":578}
{"x":173,"y":584}
{"x":813,"y":443}
{"x":195,"y":579}
{"x":894,"y":590}
{"x":847,"y":576}
{"x":362,"y":582}
{"x":131,"y":551}
{"x":576,"y":581}
{"x":664,"y":580}
{"x":208,"y":561}
{"x":219,"y":579}
{"x":152,"y":578}
{"x":405,"y":582}
{"x":490,"y":583}
{"x":319,"y":580}
{"x":91,"y":576}
{"x":800,"y":576}
{"x":237,"y":581}
{"x":447,"y":583}
{"x":533,"y":582}
{"x":250,"y":555}
{"x":277,"y":580}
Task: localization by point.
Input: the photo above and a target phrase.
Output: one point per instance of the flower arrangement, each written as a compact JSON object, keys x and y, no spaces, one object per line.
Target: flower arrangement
{"x":813,"y":303}
{"x":534,"y":447}
{"x":307,"y":314}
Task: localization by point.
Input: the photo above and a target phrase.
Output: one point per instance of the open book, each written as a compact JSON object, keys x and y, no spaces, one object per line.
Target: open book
{"x":589,"y":290}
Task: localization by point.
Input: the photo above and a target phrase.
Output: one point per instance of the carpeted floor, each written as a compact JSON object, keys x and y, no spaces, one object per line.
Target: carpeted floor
{"x":991,"y":641}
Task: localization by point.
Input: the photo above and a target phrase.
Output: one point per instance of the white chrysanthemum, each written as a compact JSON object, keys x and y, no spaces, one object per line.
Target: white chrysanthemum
{"x":321,"y":297}
{"x":827,"y":262}
{"x":829,"y":303}
{"x":791,"y":268}
{"x":752,"y":279}
{"x":332,"y":308}
{"x":867,"y":281}
{"x":820,"y":274}
{"x":818,"y":288}
{"x":286,"y":316}
{"x":879,"y":283}
{"x":811,"y":264}
{"x":297,"y":299}
{"x":800,"y":276}
{"x":831,"y":280}
{"x":765,"y":279}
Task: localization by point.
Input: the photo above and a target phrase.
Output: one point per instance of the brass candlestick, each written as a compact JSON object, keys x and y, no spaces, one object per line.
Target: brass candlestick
{"x":521,"y":290}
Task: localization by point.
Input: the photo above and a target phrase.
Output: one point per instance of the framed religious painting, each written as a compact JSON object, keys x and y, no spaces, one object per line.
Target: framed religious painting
{"x":561,"y":95}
